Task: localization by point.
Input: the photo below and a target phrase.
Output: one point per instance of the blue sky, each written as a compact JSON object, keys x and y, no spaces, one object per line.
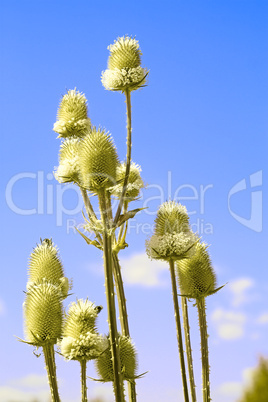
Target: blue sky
{"x":199,"y":129}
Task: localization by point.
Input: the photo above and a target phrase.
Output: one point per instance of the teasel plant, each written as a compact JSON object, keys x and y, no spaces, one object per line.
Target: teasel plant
{"x":197,"y":280}
{"x":47,"y":287}
{"x":80,"y":340}
{"x":88,"y":158}
{"x":172,"y":241}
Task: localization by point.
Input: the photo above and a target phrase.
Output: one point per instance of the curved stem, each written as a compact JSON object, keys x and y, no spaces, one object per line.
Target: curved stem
{"x":129,"y":142}
{"x":83,"y":364}
{"x":179,"y":332}
{"x":51,"y":371}
{"x":201,"y":306}
{"x":109,"y":286}
{"x":90,"y":211}
{"x":188,"y":346}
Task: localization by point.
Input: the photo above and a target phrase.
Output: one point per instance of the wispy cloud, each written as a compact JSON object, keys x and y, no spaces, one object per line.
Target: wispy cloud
{"x":229,"y":324}
{"x":239,"y":289}
{"x":14,"y":394}
{"x":31,"y":381}
{"x":263,"y":318}
{"x":139,"y":270}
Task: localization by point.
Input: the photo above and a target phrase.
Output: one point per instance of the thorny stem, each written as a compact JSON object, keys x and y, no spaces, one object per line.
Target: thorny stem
{"x":123,"y":315}
{"x":48,"y":350}
{"x":201,"y":306}
{"x":188,"y":346}
{"x":179,"y":332}
{"x":90,"y":211}
{"x":109,"y":286}
{"x":129,"y":142}
{"x":83,"y":364}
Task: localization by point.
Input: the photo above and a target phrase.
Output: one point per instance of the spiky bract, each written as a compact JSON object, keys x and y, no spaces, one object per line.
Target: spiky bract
{"x":72,"y":115}
{"x":195,"y":274}
{"x":80,"y":339}
{"x":69,"y":169}
{"x":135,"y":182}
{"x":172,"y":238}
{"x":98,"y":160}
{"x":45,"y":263}
{"x":43,"y":314}
{"x":124,"y":66}
{"x":128,"y":358}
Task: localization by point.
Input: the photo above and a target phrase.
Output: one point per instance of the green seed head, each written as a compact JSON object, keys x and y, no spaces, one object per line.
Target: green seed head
{"x":98,"y":160}
{"x":135,"y":182}
{"x":45,"y":263}
{"x":86,"y":347}
{"x":68,"y":169}
{"x":195,"y":274}
{"x":124,"y":53}
{"x":43,"y":314}
{"x":171,"y":218}
{"x":124,"y":66}
{"x":72,"y":115}
{"x":80,"y":319}
{"x":128,"y":358}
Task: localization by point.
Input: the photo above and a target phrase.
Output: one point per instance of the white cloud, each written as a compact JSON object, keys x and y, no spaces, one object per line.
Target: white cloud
{"x":239,"y":289}
{"x":232,"y":390}
{"x":8,"y":394}
{"x":263,"y":319}
{"x":138,"y":269}
{"x":31,"y":381}
{"x":229,"y":324}
{"x":104,"y":392}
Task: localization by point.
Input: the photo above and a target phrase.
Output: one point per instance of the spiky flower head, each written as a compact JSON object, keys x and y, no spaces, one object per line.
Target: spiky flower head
{"x":128,"y":358}
{"x":124,"y":66}
{"x":172,"y":238}
{"x":196,"y":275}
{"x":98,"y":160}
{"x":80,"y":339}
{"x":72,"y":115}
{"x":68,"y":170}
{"x":45,"y":264}
{"x":43,"y":314}
{"x":135,"y":182}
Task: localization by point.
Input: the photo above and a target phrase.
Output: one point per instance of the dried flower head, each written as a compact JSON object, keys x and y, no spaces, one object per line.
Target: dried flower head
{"x":68,"y":169}
{"x":128,"y":358}
{"x":87,"y":346}
{"x":196,"y":275}
{"x":135,"y":182}
{"x":43,"y":314}
{"x":172,"y":238}
{"x":72,"y":115}
{"x":98,"y":160}
{"x":124,"y":66}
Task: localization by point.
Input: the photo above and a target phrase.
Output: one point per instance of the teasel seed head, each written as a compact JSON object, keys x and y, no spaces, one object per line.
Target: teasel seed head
{"x":128,"y":358}
{"x":196,"y":275}
{"x":98,"y":160}
{"x":135,"y":182}
{"x":69,"y":170}
{"x":124,"y":66}
{"x":72,"y":115}
{"x":80,"y":339}
{"x":172,"y":238}
{"x":43,"y":314}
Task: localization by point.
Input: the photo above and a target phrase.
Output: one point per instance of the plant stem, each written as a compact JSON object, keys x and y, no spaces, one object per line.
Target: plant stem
{"x":201,"y":306}
{"x":179,"y":332}
{"x":129,"y":143}
{"x":83,"y":364}
{"x":90,"y":211}
{"x":123,"y":315}
{"x":48,"y":350}
{"x":188,"y":346}
{"x":109,"y":286}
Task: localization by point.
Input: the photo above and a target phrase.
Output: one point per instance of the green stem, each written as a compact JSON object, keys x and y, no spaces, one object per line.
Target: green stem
{"x":109,"y":286}
{"x":48,"y":350}
{"x":188,"y":346}
{"x":179,"y":332}
{"x":90,"y":211}
{"x":123,"y":315}
{"x":129,"y":142}
{"x":201,"y":306}
{"x":83,"y":364}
